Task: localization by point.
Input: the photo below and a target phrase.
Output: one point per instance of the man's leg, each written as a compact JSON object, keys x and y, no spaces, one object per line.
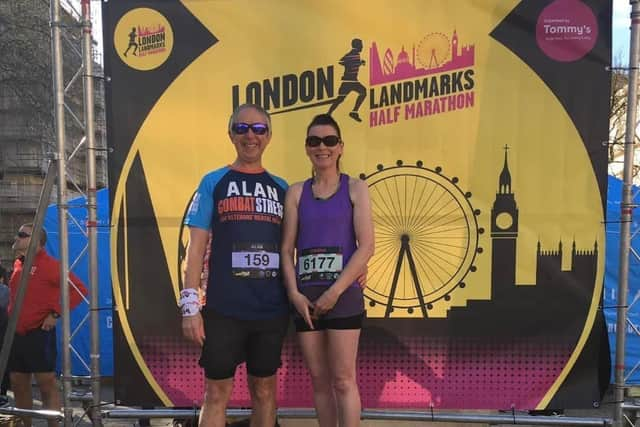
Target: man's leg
{"x":263,"y":398}
{"x":49,"y":391}
{"x":21,"y":386}
{"x":221,"y":353}
{"x":216,"y":396}
{"x":264,"y":348}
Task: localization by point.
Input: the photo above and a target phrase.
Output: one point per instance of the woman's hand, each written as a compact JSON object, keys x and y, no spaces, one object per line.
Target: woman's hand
{"x":302,"y":306}
{"x":326,"y":302}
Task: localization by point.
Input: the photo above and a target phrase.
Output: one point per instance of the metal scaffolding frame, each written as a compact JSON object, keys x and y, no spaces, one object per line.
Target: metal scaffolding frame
{"x":620,"y":417}
{"x":59,"y":168}
{"x":60,"y":90}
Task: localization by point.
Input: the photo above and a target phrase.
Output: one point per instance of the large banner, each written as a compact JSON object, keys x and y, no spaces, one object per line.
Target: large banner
{"x":478,"y":126}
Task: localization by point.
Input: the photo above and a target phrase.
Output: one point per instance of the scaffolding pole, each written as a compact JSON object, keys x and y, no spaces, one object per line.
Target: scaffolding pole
{"x":626,"y":214}
{"x":92,"y":236}
{"x":367,"y":414}
{"x":59,"y":110}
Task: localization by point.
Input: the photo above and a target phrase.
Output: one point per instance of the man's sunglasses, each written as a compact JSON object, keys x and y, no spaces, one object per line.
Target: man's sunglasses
{"x":328,"y":141}
{"x":23,"y":235}
{"x":256,"y":128}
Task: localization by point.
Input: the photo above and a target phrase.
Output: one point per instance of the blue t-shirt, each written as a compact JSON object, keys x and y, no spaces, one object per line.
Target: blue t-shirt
{"x":244,"y":211}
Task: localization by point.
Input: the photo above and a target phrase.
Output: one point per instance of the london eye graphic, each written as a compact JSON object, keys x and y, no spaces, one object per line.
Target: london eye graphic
{"x":434,"y":50}
{"x":426,"y":238}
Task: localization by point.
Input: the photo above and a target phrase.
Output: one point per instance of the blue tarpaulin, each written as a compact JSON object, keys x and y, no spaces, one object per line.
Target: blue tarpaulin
{"x":610,"y":300}
{"x":79,"y":264}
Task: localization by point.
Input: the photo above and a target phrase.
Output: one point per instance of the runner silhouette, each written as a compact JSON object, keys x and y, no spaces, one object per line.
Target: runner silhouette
{"x":132,"y":42}
{"x":351,"y":63}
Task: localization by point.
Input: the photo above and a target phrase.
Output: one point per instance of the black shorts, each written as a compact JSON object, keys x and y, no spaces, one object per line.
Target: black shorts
{"x":34,"y":352}
{"x":229,"y":342}
{"x":352,"y":322}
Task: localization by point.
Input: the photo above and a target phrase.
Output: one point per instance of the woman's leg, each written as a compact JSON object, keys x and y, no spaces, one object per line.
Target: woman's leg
{"x":343,"y":351}
{"x":314,"y":350}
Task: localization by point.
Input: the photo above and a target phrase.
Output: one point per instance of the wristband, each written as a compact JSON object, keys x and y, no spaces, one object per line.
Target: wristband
{"x":189,"y":302}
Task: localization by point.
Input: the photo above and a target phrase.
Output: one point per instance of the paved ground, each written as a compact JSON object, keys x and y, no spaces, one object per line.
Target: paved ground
{"x":81,"y":420}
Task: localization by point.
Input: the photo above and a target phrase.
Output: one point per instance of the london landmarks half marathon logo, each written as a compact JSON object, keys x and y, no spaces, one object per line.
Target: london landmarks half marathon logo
{"x":435,"y":76}
{"x":143,"y":39}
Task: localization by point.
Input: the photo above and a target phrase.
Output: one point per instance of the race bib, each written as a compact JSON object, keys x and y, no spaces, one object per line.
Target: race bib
{"x":255,"y":260}
{"x":320,"y":264}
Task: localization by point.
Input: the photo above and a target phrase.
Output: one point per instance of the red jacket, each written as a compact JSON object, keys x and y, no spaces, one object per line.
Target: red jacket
{"x":43,"y":291}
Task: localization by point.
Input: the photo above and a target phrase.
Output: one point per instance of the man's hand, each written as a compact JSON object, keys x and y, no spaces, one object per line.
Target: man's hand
{"x":362,"y":278}
{"x":193,"y":329}
{"x":49,"y":322}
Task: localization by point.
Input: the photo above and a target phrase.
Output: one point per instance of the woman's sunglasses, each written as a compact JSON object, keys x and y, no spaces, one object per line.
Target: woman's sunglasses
{"x":23,"y":235}
{"x":328,"y":141}
{"x":256,"y":128}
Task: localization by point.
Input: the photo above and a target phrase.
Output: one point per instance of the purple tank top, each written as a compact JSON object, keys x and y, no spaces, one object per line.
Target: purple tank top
{"x":326,"y":241}
{"x":326,"y":237}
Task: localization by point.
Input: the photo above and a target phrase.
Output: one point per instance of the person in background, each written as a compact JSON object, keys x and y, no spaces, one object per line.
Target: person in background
{"x":34,"y":352}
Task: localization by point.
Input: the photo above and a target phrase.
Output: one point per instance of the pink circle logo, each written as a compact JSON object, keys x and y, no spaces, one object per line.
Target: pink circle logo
{"x":566,"y":30}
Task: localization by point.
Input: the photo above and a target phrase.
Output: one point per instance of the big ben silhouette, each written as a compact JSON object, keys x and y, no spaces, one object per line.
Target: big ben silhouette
{"x":504,"y":230}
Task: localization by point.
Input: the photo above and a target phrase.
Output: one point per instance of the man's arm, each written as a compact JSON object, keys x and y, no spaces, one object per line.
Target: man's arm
{"x":192,"y":327}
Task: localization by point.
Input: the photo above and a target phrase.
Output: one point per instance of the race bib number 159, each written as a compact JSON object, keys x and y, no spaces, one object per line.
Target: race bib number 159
{"x":255,"y":260}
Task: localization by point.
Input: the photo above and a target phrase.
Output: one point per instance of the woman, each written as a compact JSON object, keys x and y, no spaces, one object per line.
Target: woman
{"x":329,"y":228}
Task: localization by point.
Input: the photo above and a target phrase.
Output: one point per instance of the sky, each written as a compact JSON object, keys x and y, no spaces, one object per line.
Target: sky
{"x":621,"y":33}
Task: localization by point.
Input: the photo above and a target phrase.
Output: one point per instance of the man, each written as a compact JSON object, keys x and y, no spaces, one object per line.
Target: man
{"x":34,"y":346}
{"x":246,"y":313}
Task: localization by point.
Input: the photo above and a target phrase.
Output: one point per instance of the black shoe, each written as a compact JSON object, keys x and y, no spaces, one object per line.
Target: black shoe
{"x":355,"y":116}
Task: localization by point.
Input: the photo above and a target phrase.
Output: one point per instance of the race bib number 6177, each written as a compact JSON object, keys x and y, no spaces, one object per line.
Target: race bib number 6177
{"x":320,"y":264}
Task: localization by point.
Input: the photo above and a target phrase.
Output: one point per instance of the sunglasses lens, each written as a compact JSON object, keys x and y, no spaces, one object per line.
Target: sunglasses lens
{"x":313,"y":141}
{"x":331,"y":140}
{"x":240,"y":128}
{"x":22,"y":234}
{"x":259,"y":128}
